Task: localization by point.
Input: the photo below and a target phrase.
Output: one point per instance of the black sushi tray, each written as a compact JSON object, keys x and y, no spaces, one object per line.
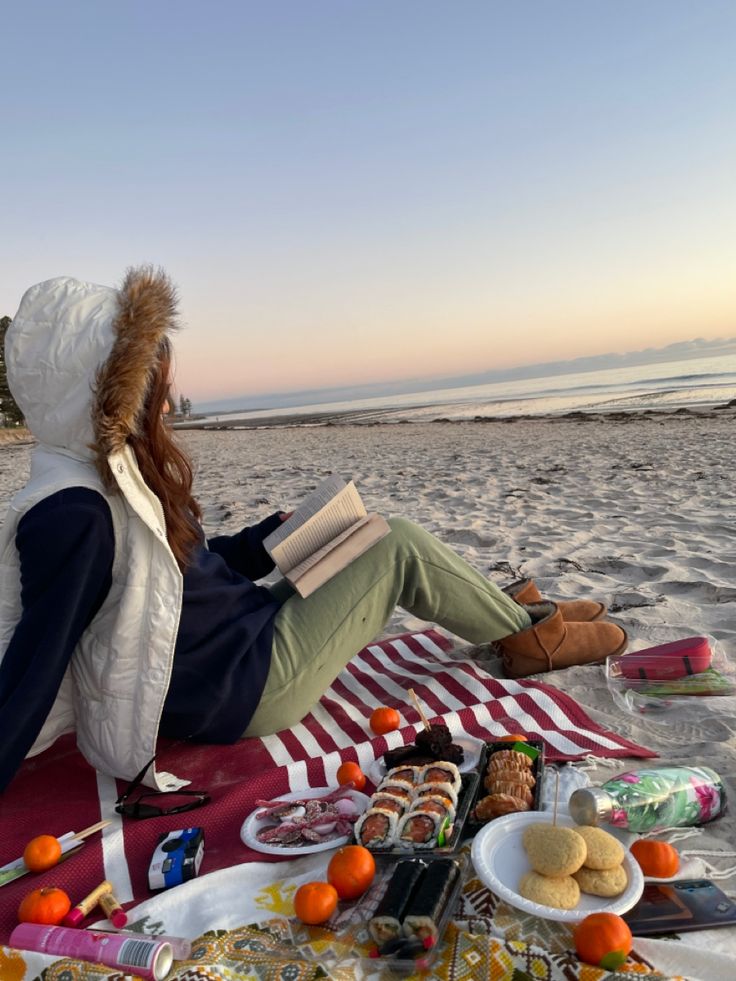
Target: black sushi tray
{"x":472,"y":825}
{"x":465,"y":800}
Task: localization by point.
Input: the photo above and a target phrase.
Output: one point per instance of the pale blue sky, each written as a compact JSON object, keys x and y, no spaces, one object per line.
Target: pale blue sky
{"x":348,"y":192}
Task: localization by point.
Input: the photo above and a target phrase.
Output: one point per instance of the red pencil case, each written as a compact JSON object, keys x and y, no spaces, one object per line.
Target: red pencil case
{"x":666,"y":661}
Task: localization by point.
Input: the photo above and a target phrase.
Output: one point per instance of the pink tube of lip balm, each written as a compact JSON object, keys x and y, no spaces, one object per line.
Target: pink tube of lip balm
{"x":147,"y":957}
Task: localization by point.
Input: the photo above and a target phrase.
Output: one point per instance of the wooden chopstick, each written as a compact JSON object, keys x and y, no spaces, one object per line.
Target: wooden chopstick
{"x":80,"y":835}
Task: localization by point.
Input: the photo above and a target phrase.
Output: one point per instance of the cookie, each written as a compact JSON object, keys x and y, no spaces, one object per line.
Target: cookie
{"x":554,"y":850}
{"x":604,"y":851}
{"x":562,"y":892}
{"x":601,"y":882}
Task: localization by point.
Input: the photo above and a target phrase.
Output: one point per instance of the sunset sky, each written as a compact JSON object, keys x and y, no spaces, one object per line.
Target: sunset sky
{"x":350,"y":192}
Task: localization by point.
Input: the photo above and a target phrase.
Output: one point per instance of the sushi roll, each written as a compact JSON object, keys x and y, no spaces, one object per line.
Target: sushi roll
{"x":419,"y":829}
{"x":407,"y":774}
{"x":442,"y":772}
{"x":444,"y":790}
{"x":385,"y":924}
{"x":429,"y":900}
{"x":388,"y":789}
{"x":385,"y":802}
{"x":435,"y":805}
{"x":375,"y":828}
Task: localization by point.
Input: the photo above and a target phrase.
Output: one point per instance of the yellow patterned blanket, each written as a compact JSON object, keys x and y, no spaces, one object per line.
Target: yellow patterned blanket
{"x":245,"y":929}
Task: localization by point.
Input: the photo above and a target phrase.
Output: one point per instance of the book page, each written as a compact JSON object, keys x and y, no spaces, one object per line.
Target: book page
{"x":338,"y":554}
{"x":331,"y":509}
{"x":314,"y":501}
{"x":298,"y":570}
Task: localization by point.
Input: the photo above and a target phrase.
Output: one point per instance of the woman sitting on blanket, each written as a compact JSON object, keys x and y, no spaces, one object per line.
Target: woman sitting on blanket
{"x":118,"y":619}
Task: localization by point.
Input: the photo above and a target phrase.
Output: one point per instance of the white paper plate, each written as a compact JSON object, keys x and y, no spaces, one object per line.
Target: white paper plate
{"x":500,"y":861}
{"x":252,"y":825}
{"x":472,"y":749}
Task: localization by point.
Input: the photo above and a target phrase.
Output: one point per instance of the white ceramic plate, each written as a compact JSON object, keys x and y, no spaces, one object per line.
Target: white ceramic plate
{"x":472,"y":749}
{"x":500,"y":861}
{"x":252,"y":825}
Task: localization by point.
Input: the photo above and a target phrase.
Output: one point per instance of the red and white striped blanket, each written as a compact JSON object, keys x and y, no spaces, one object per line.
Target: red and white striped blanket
{"x":58,"y":791}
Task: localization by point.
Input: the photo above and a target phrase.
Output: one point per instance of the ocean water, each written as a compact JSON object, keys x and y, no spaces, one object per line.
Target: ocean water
{"x":665,"y":385}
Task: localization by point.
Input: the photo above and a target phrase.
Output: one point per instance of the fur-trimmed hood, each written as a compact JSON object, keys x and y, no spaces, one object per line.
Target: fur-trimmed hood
{"x":80,"y":359}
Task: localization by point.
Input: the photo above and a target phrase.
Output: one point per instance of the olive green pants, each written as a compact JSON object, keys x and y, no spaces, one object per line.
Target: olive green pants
{"x":314,"y":638}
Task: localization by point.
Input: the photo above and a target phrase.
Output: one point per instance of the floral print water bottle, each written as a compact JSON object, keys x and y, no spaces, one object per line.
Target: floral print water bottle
{"x":652,"y":799}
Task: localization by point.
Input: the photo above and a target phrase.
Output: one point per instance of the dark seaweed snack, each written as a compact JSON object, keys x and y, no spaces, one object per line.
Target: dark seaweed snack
{"x":429,"y":745}
{"x":422,"y":916}
{"x":405,"y":754}
{"x":434,"y":740}
{"x":453,"y":754}
{"x":437,"y":731}
{"x":437,"y":742}
{"x":385,"y":924}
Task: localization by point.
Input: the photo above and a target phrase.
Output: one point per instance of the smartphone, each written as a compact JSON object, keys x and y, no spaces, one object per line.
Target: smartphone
{"x":674,"y":907}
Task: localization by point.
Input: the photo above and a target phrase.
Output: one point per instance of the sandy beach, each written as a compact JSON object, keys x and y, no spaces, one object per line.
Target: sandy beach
{"x":635,"y":510}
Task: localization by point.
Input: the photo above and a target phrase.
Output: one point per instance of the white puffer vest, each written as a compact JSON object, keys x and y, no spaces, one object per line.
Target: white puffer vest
{"x":114,"y":690}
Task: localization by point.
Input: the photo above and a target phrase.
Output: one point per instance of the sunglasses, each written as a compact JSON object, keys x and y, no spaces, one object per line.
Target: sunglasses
{"x":142,"y":806}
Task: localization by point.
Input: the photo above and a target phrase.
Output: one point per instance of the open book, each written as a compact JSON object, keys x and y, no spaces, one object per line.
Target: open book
{"x":329,"y":529}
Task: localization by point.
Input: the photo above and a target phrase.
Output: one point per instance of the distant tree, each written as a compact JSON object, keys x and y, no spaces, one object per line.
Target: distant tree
{"x":8,"y":408}
{"x":185,"y":406}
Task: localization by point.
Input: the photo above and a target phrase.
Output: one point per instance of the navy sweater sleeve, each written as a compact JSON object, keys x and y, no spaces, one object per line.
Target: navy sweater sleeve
{"x":66,"y":548}
{"x":244,"y":552}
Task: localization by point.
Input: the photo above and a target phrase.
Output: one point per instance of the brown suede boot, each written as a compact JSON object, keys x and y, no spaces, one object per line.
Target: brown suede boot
{"x":579,"y":611}
{"x":551,"y":643}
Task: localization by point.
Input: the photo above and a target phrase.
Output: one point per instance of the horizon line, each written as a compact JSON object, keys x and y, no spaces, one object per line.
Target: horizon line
{"x":683,"y":350}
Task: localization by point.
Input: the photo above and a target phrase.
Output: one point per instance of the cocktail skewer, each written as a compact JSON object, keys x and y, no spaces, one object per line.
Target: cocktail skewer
{"x":418,"y":707}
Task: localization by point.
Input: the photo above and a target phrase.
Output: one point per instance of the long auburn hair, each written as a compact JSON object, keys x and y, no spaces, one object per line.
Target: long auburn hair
{"x":165,"y":467}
